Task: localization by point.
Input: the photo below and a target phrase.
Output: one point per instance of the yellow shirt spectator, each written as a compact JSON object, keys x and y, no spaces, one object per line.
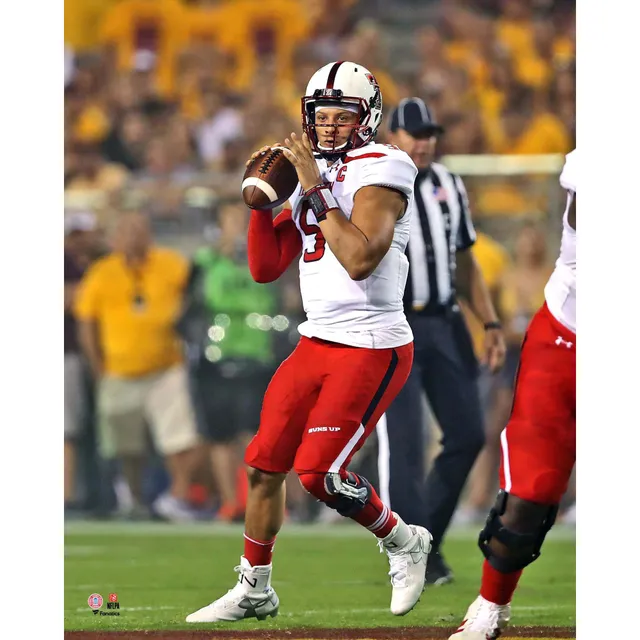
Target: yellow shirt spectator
{"x":82,"y":22}
{"x":135,"y":311}
{"x":159,"y":26}
{"x":516,"y":35}
{"x":545,"y":133}
{"x":493,"y":260}
{"x":533,"y":71}
{"x":92,"y":124}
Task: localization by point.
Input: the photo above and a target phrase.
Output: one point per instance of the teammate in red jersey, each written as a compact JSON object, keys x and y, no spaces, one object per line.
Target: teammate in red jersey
{"x":538,"y":443}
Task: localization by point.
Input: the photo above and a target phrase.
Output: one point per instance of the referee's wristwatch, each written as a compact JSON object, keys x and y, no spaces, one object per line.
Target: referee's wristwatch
{"x":488,"y":326}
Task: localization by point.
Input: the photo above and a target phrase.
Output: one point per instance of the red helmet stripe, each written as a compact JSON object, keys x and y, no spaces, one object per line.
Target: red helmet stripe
{"x":332,"y":74}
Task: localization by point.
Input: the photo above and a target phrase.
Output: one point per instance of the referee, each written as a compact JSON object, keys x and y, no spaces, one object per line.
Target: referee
{"x":441,"y":267}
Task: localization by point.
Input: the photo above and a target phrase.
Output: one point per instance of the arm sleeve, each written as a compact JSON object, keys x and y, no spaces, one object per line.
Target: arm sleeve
{"x":389,"y":171}
{"x":272,"y":244}
{"x":466,"y":233}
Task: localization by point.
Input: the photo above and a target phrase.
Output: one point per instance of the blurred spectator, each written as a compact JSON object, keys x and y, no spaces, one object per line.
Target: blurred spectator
{"x":463,"y":133}
{"x":162,"y":180}
{"x":521,"y":294}
{"x":228,"y":171}
{"x":494,"y":262}
{"x":90,"y":171}
{"x":514,"y":26}
{"x":367,"y":43}
{"x":499,"y":83}
{"x":231,"y":351}
{"x":305,"y":63}
{"x":182,"y":142}
{"x":520,"y":130}
{"x":562,"y":97}
{"x":435,"y":64}
{"x":126,"y":306}
{"x":80,"y":249}
{"x":127,"y":140}
{"x":221,"y":123}
{"x":85,"y":112}
{"x":331,"y":21}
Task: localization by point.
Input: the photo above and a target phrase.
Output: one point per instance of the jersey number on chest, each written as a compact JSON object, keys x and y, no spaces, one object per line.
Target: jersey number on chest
{"x":311,"y":230}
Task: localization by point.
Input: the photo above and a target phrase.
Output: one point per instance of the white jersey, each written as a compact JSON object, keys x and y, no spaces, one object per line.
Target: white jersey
{"x":560,"y":292}
{"x":367,"y":313}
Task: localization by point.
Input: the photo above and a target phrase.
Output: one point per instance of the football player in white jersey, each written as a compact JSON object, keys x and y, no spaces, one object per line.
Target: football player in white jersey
{"x":538,"y":443}
{"x":349,"y":222}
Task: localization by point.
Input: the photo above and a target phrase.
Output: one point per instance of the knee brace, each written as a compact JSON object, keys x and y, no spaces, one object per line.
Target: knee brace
{"x":351,"y":493}
{"x":347,"y":496}
{"x":524,"y":548}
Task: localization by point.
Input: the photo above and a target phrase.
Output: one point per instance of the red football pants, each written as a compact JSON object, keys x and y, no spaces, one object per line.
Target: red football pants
{"x":322,"y":404}
{"x":539,"y":441}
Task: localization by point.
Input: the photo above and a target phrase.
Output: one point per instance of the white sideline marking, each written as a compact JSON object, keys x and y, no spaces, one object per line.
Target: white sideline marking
{"x":217,"y":530}
{"x":340,"y":612}
{"x":83,"y":550}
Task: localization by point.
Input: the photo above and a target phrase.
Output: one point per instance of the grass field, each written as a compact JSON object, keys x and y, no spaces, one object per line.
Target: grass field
{"x":331,"y":576}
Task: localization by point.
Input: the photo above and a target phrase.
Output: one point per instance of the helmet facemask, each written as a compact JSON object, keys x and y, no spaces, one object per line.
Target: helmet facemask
{"x":361,"y":133}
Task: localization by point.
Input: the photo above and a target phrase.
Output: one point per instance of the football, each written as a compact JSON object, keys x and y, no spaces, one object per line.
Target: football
{"x":269,"y":180}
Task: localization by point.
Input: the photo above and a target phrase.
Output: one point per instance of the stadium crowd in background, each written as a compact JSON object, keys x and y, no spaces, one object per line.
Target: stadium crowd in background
{"x":166,"y":99}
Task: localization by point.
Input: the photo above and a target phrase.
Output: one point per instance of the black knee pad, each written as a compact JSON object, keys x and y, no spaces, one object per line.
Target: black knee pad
{"x":351,"y":495}
{"x":524,"y":547}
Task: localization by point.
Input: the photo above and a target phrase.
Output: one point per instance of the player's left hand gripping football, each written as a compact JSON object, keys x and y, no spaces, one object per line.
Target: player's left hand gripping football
{"x":495,"y":350}
{"x":300,"y":153}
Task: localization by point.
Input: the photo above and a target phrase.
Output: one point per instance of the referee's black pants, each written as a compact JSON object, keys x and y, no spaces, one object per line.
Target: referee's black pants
{"x":446,"y":369}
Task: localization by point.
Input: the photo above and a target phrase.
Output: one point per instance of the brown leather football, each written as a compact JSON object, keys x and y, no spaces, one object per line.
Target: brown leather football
{"x":269,"y":180}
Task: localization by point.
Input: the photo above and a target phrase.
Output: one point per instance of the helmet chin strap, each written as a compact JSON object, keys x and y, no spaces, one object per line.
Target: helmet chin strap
{"x":332,"y":149}
{"x":337,"y":150}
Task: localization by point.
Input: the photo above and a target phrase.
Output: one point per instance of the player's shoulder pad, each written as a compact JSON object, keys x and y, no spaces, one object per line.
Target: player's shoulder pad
{"x":568,"y":177}
{"x":384,"y":165}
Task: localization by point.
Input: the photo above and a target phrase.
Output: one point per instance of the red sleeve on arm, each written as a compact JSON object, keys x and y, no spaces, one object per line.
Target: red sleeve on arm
{"x":273,"y":244}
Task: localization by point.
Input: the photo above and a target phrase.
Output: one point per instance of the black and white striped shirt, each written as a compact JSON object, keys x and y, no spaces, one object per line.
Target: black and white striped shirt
{"x":440,"y":225}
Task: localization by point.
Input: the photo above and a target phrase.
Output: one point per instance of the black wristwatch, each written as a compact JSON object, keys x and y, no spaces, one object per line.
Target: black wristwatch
{"x":492,"y":325}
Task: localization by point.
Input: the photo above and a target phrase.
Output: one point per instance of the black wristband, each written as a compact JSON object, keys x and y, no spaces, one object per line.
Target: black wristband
{"x":321,"y":201}
{"x":492,"y":325}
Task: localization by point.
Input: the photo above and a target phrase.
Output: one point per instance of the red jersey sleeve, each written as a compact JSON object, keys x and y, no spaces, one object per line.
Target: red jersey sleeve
{"x":273,"y":244}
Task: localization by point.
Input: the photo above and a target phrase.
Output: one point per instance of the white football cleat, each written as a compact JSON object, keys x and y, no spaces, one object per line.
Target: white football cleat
{"x":484,"y":621}
{"x":407,"y":547}
{"x":252,"y":597}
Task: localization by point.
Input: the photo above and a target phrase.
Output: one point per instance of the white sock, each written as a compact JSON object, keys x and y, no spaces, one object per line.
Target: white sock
{"x":399,"y":536}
